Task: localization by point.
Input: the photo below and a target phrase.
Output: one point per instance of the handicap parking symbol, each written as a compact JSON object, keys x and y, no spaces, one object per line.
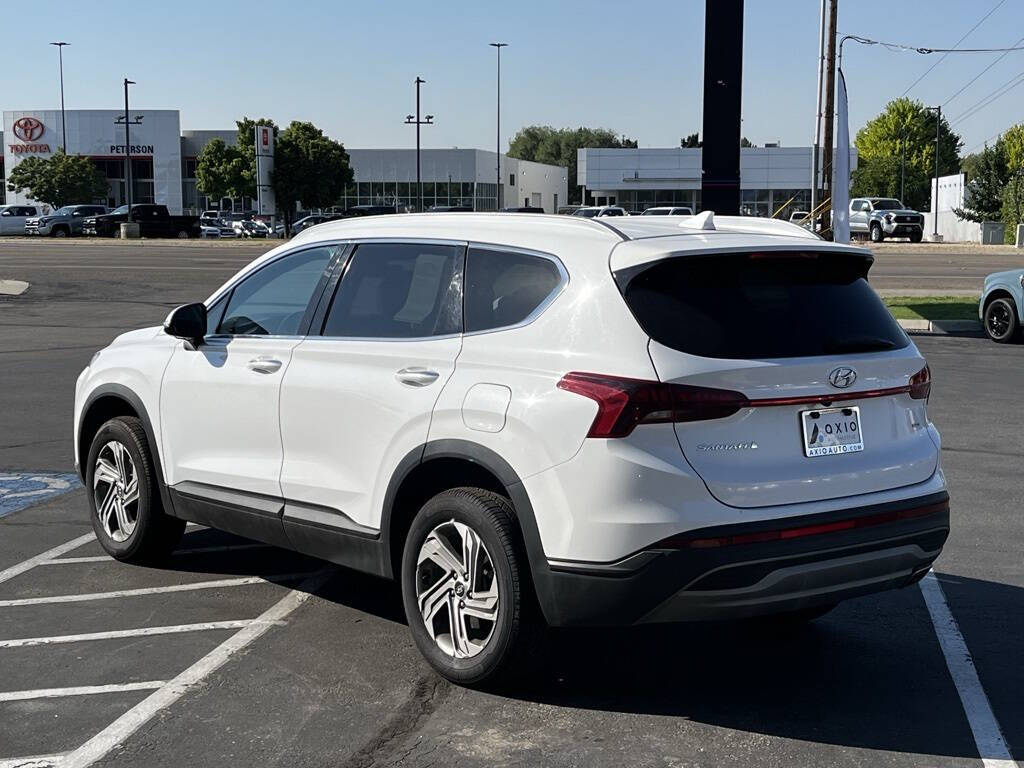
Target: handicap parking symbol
{"x":23,"y":489}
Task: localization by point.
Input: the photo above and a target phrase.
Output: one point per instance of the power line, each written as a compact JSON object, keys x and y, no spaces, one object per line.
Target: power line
{"x":974,"y":79}
{"x":926,"y":50}
{"x":957,"y":45}
{"x":1002,"y":90}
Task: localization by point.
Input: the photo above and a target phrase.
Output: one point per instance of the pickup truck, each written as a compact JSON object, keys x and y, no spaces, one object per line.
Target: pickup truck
{"x":882,"y":217}
{"x":63,"y":222}
{"x":153,"y":221}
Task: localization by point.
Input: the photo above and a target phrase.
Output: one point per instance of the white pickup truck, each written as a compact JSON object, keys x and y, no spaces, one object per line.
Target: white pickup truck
{"x":882,"y":217}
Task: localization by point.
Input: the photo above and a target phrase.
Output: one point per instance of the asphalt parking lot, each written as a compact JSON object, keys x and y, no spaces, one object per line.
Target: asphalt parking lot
{"x":239,"y":654}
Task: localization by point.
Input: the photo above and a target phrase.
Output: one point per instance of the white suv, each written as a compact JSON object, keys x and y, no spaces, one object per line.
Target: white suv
{"x":534,"y":420}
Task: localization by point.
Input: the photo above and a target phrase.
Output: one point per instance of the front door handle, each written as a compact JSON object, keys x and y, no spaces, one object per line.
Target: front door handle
{"x":416,"y":376}
{"x":264,"y":364}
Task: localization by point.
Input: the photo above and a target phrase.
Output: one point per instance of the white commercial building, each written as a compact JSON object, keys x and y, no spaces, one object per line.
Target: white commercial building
{"x":164,"y":162}
{"x":773,"y":180}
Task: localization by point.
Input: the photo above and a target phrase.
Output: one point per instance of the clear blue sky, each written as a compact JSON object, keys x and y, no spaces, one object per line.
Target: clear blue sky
{"x":632,"y":67}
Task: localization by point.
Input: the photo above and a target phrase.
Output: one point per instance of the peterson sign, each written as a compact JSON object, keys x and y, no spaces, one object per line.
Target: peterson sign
{"x":29,"y":130}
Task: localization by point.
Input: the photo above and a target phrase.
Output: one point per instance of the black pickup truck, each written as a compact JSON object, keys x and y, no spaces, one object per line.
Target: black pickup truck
{"x":153,"y":221}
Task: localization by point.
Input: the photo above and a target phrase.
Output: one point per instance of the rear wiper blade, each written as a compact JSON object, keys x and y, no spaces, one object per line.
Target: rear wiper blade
{"x":860,"y":344}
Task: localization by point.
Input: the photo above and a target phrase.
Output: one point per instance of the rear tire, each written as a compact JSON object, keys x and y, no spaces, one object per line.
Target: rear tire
{"x":1001,"y":322}
{"x":463,"y":646}
{"x":183,"y":234}
{"x":876,"y":233}
{"x":59,"y":232}
{"x":124,"y":497}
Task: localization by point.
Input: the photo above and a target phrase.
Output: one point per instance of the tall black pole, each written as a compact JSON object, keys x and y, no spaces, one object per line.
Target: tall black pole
{"x":830,"y":94}
{"x":903,"y":165}
{"x":935,"y":194}
{"x":498,"y":191}
{"x":419,"y":182}
{"x":63,"y":127}
{"x":723,"y":75}
{"x":127,"y":151}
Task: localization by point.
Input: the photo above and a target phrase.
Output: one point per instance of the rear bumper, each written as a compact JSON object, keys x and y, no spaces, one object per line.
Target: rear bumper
{"x":751,"y":569}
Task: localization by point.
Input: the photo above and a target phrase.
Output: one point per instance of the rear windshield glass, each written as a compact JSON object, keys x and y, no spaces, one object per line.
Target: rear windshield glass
{"x":756,"y":306}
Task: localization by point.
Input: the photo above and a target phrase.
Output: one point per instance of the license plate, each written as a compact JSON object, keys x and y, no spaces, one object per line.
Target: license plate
{"x":831,"y":431}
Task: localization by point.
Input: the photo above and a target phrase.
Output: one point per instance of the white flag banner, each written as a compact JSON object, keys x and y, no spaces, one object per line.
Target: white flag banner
{"x":841,"y":170}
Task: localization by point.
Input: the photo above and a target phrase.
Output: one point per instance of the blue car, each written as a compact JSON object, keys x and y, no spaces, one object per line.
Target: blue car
{"x":1001,"y":308}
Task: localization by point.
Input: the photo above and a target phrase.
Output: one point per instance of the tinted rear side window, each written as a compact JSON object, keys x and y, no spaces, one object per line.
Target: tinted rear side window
{"x":755,"y":306}
{"x":504,"y":288}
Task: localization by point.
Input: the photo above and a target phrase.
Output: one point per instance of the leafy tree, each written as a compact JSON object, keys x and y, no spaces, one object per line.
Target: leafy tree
{"x":58,"y":180}
{"x":1013,"y":205}
{"x":745,"y":142}
{"x":692,"y":141}
{"x":986,"y":181}
{"x":557,"y":146}
{"x":1014,"y":138}
{"x":220,"y":170}
{"x":903,"y":126}
{"x":308,"y":167}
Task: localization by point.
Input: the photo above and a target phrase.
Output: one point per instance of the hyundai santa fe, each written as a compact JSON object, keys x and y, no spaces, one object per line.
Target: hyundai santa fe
{"x":534,"y":421}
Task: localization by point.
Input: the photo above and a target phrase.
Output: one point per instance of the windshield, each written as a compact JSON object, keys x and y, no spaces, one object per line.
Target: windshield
{"x":588,"y":213}
{"x":887,"y":205}
{"x":122,"y":209}
{"x":65,"y":211}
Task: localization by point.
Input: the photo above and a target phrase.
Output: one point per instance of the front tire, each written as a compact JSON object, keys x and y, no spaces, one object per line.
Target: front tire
{"x":59,"y":232}
{"x":124,"y":498}
{"x":876,"y":233}
{"x":1001,"y":322}
{"x":183,"y":234}
{"x":916,"y":237}
{"x":466,"y":589}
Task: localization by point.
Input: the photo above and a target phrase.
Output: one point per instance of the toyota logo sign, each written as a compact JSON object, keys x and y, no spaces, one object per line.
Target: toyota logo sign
{"x":28,"y":129}
{"x":842,"y":377}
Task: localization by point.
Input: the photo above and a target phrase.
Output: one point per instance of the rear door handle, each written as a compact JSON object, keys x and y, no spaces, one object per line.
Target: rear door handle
{"x":416,"y":376}
{"x":264,"y":364}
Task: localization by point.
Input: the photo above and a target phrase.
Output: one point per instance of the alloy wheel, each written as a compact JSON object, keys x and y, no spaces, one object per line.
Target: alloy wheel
{"x":116,"y":491}
{"x":998,"y":320}
{"x":457,"y":589}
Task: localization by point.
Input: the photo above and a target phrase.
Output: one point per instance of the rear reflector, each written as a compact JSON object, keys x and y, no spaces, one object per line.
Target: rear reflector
{"x":685,"y":541}
{"x":623,"y":403}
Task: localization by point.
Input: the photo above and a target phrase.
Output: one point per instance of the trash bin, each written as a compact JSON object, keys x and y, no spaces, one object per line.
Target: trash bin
{"x":992,"y":232}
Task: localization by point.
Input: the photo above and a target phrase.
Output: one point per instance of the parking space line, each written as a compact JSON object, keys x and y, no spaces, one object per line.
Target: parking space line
{"x":191,"y":551}
{"x":38,"y":761}
{"x":88,"y":596}
{"x":987,"y":735}
{"x":81,"y":690}
{"x":49,"y":554}
{"x":24,"y":642}
{"x":116,"y":733}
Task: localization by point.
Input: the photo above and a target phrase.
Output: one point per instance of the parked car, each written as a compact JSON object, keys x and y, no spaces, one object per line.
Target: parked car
{"x":524,"y":209}
{"x":311,"y":221}
{"x":249,"y":228}
{"x":63,"y":222}
{"x":647,"y":467}
{"x":591,"y":211}
{"x":210,"y":215}
{"x":1001,"y":308}
{"x":882,"y":217}
{"x":14,"y":217}
{"x":153,"y":221}
{"x":451,"y":209}
{"x":212,"y":229}
{"x":668,"y":210}
{"x":568,"y":210}
{"x":370,"y":210}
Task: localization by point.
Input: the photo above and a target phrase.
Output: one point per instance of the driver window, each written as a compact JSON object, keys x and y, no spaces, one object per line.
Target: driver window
{"x":273,"y":300}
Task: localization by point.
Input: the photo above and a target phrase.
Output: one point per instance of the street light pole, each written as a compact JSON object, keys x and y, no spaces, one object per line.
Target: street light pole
{"x":935,"y":193}
{"x":903,"y":162}
{"x":63,"y":128}
{"x":498,"y":192}
{"x":409,"y":120}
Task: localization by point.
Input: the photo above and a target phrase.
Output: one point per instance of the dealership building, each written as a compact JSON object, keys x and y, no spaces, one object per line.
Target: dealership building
{"x":774,"y":180}
{"x":164,"y":161}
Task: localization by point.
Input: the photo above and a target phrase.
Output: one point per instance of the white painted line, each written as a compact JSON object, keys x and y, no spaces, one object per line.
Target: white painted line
{"x":192,"y":551}
{"x":23,"y":642}
{"x":82,"y":690}
{"x":49,"y":554}
{"x":118,"y":731}
{"x":987,"y":735}
{"x":150,"y":590}
{"x":39,"y":761}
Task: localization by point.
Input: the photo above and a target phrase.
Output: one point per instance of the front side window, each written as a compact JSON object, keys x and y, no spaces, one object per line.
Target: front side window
{"x":273,"y":300}
{"x":504,"y":288}
{"x":399,"y":291}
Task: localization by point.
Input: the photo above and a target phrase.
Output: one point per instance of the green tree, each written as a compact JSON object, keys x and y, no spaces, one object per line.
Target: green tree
{"x":308,"y":167}
{"x":247,"y":151}
{"x":58,"y":180}
{"x":691,"y":141}
{"x":1013,"y":205}
{"x":557,"y":146}
{"x":220,"y":170}
{"x":987,"y":177}
{"x":903,"y":126}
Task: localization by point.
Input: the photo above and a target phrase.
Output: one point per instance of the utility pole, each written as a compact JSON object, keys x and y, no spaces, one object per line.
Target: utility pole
{"x":128,"y":145}
{"x":816,"y":157}
{"x":63,"y":127}
{"x":498,"y":196}
{"x":723,"y":95}
{"x":830,"y":95}
{"x":417,"y":122}
{"x":935,"y":191}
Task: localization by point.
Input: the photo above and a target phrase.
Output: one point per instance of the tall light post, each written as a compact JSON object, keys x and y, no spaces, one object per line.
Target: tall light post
{"x":410,"y":120}
{"x":63,"y":129}
{"x":935,"y":194}
{"x":126,"y":121}
{"x":499,"y":197}
{"x":903,"y":161}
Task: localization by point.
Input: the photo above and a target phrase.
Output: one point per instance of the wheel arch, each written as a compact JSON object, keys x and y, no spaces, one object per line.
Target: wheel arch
{"x":1000,"y":292}
{"x":441,"y":464}
{"x":107,"y":402}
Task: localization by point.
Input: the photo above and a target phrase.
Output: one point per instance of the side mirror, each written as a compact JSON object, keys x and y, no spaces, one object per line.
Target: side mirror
{"x":187,"y":322}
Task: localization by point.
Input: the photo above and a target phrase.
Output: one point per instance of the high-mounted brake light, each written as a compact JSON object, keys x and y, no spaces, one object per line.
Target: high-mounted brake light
{"x":921,"y":384}
{"x":623,"y":403}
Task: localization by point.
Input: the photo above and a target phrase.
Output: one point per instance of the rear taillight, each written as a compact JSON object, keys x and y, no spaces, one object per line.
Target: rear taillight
{"x":623,"y":403}
{"x":921,"y":384}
